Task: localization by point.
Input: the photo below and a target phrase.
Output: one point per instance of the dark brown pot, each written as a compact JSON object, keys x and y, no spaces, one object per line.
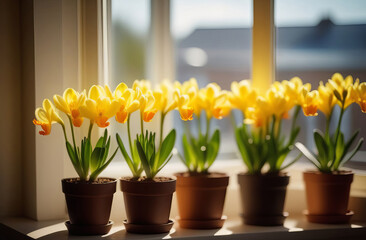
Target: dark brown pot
{"x":328,"y":194}
{"x":89,"y":205}
{"x":201,"y":199}
{"x":148,"y":204}
{"x":263,"y":198}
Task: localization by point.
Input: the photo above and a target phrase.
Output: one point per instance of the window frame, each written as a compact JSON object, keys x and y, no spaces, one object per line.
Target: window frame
{"x":72,"y":57}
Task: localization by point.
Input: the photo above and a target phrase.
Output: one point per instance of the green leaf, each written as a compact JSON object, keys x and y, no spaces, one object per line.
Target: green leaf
{"x":292,"y":162}
{"x":100,"y":142}
{"x":349,"y":143}
{"x":125,"y":155}
{"x":339,"y":151}
{"x":86,"y":152}
{"x":166,"y":147}
{"x":307,"y":154}
{"x":213,"y":148}
{"x":189,"y":156}
{"x":163,"y":165}
{"x":352,"y":153}
{"x":74,"y":160}
{"x":322,"y":147}
{"x":241,"y":141}
{"x":104,"y":158}
{"x":144,"y":161}
{"x":136,"y":158}
{"x":96,"y":157}
{"x":98,"y":171}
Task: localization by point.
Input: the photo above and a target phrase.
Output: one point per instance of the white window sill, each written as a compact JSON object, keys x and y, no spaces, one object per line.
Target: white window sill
{"x":294,"y":228}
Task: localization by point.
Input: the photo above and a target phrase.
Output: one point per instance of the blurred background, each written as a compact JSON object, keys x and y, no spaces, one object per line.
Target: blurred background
{"x":212,"y":43}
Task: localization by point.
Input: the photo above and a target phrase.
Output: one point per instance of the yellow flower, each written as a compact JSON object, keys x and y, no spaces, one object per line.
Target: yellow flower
{"x":183,"y":104}
{"x":310,"y":102}
{"x":46,"y":116}
{"x":70,"y":103}
{"x":242,"y":95}
{"x":326,"y":99}
{"x":164,"y":97}
{"x":126,"y":97}
{"x":343,"y":86}
{"x":293,"y":89}
{"x":361,"y":96}
{"x":214,"y":101}
{"x":143,"y":85}
{"x":259,"y":114}
{"x":279,"y":103}
{"x":191,"y":89}
{"x":147,"y":108}
{"x":98,"y":107}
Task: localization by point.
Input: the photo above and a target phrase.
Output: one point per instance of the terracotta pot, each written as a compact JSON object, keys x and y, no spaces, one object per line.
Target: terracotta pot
{"x":263,"y":198}
{"x":201,"y":199}
{"x":327,"y":194}
{"x":89,"y":205}
{"x":148,"y":204}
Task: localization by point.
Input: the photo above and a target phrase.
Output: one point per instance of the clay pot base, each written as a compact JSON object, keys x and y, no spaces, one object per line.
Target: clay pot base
{"x":148,"y":229}
{"x":329,"y":219}
{"x":201,"y":224}
{"x":276,"y":220}
{"x":75,"y":229}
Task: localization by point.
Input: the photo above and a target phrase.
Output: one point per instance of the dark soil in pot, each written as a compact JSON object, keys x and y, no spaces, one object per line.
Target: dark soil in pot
{"x":263,"y":198}
{"x":148,"y":204}
{"x":201,"y":199}
{"x":327,"y":194}
{"x":89,"y":205}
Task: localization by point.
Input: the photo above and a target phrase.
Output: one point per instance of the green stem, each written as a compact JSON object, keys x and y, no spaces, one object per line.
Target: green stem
{"x":90,"y":130}
{"x":162,"y":118}
{"x":339,"y":123}
{"x":72,"y":131}
{"x":278,"y":129}
{"x":64,"y":130}
{"x":233,"y":122}
{"x":208,"y":121}
{"x":294,"y":119}
{"x":142,"y":123}
{"x":199,"y":125}
{"x":328,"y":124}
{"x":129,"y":136}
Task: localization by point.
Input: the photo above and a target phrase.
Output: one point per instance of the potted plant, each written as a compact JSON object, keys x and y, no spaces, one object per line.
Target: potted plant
{"x":264,"y":146}
{"x":148,"y":198}
{"x":328,"y":187}
{"x":88,"y":197}
{"x":200,"y":193}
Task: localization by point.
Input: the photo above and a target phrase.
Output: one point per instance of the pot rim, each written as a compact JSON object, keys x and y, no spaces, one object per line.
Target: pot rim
{"x":147,"y":182}
{"x":338,"y":173}
{"x":208,"y":175}
{"x":282,"y":174}
{"x":64,"y":180}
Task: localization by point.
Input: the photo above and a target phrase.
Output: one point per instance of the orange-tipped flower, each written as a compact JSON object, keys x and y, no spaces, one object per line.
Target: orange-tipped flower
{"x":70,"y":104}
{"x":99,"y":108}
{"x":310,"y":102}
{"x":46,"y":116}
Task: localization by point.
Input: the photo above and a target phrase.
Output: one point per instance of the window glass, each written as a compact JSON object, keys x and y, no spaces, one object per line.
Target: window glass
{"x":316,"y":39}
{"x":130,"y":23}
{"x":212,"y":44}
{"x":129,"y":39}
